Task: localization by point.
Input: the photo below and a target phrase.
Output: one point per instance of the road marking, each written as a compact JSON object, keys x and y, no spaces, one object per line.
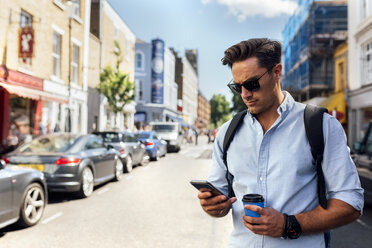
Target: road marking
{"x":53,"y":217}
{"x":129,"y":177}
{"x":364,"y":224}
{"x":103,"y":191}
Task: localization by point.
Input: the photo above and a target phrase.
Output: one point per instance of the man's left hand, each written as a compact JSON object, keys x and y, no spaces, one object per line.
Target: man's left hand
{"x":271,"y":222}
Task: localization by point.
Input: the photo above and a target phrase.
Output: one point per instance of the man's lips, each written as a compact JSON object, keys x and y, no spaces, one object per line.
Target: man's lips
{"x":251,"y":102}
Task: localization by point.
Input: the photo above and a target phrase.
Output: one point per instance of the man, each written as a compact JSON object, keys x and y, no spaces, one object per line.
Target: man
{"x":270,"y":155}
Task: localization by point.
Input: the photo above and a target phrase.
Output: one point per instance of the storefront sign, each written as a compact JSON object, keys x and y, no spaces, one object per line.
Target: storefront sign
{"x":26,"y":42}
{"x":157,"y":71}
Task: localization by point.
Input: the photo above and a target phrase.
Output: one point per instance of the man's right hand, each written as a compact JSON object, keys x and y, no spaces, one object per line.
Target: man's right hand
{"x":216,"y":206}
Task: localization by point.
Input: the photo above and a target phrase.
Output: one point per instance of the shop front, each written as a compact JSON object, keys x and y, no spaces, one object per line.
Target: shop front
{"x":21,"y":101}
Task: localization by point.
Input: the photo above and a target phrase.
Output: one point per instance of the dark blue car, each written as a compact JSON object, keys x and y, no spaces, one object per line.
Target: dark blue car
{"x":155,"y":147}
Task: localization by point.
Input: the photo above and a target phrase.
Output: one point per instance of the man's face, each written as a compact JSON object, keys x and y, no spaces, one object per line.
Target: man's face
{"x":264,"y":99}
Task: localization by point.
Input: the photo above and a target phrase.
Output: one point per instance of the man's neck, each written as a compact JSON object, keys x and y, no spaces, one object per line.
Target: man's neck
{"x":268,"y":118}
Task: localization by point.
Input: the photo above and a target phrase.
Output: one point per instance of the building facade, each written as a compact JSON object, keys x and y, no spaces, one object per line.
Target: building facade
{"x":309,"y":41}
{"x":360,"y":68}
{"x":43,"y":86}
{"x":204,"y":111}
{"x":156,"y":90}
{"x":107,"y":28}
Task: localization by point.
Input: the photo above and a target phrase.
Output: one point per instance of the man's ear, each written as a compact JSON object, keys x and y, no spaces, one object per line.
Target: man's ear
{"x":278,"y":71}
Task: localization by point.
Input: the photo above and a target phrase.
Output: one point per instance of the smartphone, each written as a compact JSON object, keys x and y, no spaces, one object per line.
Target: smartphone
{"x":199,"y":184}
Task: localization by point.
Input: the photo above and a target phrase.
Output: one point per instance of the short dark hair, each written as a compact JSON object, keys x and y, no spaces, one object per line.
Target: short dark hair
{"x":268,"y":52}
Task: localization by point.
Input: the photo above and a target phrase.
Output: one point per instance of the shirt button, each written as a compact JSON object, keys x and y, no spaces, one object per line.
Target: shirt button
{"x":261,"y":179}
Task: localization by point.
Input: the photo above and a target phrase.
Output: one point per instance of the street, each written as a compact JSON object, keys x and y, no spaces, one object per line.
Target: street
{"x":153,"y":206}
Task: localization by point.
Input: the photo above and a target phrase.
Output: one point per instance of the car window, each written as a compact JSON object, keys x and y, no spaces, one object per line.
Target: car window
{"x":110,"y":137}
{"x":129,"y":137}
{"x":50,"y":144}
{"x":164,"y":128}
{"x":94,"y":143}
{"x":143,"y":135}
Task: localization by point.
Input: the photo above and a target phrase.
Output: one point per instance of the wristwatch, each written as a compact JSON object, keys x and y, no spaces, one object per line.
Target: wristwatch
{"x":292,"y":229}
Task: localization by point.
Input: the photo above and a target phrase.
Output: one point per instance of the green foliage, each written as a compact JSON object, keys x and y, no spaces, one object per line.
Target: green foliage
{"x":116,"y":85}
{"x":237,"y":104}
{"x":220,"y":110}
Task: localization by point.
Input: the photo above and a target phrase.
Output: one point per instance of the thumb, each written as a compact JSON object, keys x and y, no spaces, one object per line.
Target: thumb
{"x":232,"y":200}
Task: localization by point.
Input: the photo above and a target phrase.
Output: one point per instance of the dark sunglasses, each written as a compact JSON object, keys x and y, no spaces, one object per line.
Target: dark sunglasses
{"x":250,"y":84}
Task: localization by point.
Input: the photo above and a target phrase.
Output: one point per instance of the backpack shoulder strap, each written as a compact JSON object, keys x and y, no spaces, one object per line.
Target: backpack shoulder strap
{"x":229,"y":135}
{"x":313,"y":119}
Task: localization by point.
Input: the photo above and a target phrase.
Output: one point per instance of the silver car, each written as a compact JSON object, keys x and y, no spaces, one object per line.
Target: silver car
{"x":23,"y":195}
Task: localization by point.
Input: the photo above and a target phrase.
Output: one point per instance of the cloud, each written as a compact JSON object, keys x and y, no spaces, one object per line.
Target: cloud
{"x":250,"y":8}
{"x":206,"y":1}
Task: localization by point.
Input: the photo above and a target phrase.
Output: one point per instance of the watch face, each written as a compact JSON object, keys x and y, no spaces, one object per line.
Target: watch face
{"x":294,"y":229}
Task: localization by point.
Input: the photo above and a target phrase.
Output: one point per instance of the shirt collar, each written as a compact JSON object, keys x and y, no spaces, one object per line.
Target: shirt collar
{"x":282,"y":110}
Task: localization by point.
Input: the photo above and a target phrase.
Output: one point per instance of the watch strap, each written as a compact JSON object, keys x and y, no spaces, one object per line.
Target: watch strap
{"x":284,"y":233}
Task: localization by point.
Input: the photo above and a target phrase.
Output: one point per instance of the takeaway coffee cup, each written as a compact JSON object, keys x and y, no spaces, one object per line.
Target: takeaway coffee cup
{"x":252,"y":199}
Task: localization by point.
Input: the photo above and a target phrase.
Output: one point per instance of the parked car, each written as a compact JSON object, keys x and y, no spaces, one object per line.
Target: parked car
{"x":155,"y":146}
{"x":132,"y":152}
{"x":170,"y":132}
{"x":23,"y":195}
{"x":363,"y":160}
{"x":73,"y":163}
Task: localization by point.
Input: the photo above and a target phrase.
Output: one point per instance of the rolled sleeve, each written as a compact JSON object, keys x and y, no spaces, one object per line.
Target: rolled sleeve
{"x":341,"y":177}
{"x":218,"y":170}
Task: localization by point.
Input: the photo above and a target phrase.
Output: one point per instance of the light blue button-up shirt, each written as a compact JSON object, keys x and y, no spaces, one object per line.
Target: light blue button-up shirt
{"x":278,"y":165}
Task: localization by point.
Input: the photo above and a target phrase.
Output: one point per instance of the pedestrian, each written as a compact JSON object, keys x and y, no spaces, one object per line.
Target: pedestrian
{"x":196,"y":131}
{"x":270,"y":155}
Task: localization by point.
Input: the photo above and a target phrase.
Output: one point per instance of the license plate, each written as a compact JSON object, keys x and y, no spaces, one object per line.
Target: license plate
{"x":39,"y":167}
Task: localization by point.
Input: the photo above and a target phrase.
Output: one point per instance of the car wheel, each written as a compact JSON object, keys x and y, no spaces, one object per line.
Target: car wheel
{"x":33,"y":205}
{"x":118,"y":170}
{"x":128,"y":165}
{"x":145,"y":159}
{"x":87,"y":183}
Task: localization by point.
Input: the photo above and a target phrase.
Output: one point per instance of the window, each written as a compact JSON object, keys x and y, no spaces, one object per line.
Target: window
{"x":128,"y":47}
{"x":94,"y":143}
{"x":367,"y":64}
{"x":75,"y":64}
{"x":56,"y":54}
{"x":139,"y":61}
{"x":77,"y":8}
{"x":138,"y":90}
{"x":116,"y":34}
{"x":26,"y":19}
{"x":365,"y":8}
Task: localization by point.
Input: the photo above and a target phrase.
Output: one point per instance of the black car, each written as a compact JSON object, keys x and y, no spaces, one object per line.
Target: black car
{"x":73,"y":163}
{"x":22,"y":196}
{"x":132,"y":152}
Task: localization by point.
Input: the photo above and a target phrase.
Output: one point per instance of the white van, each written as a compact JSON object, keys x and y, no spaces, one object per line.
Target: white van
{"x":170,"y":132}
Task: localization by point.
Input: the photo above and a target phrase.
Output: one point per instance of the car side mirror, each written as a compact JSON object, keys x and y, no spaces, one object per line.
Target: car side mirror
{"x":357,"y":146}
{"x":109,"y":147}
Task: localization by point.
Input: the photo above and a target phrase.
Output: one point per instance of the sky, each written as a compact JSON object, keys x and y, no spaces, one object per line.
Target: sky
{"x":210,"y":26}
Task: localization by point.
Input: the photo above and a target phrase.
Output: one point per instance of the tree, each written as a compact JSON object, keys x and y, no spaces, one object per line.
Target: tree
{"x":220,"y":110}
{"x":237,"y":104}
{"x":116,"y":85}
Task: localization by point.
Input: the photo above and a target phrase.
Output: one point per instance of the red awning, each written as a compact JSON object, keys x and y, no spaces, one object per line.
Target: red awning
{"x":32,"y":93}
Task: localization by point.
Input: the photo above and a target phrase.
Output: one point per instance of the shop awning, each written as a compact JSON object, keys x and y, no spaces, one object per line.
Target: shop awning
{"x":32,"y":93}
{"x":336,"y":106}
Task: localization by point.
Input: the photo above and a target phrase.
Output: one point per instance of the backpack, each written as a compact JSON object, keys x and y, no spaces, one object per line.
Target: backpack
{"x":313,"y":119}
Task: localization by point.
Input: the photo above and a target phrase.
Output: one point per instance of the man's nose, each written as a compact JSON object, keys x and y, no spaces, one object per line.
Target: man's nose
{"x":246,"y":93}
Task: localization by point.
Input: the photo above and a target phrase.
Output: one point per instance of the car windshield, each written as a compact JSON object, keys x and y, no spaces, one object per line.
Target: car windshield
{"x":109,"y":137}
{"x":143,"y":135}
{"x":49,"y":144}
{"x":164,"y":128}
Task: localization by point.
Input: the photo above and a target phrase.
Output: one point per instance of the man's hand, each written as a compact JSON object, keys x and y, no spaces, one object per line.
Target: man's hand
{"x":271,"y":222}
{"x":216,"y":206}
